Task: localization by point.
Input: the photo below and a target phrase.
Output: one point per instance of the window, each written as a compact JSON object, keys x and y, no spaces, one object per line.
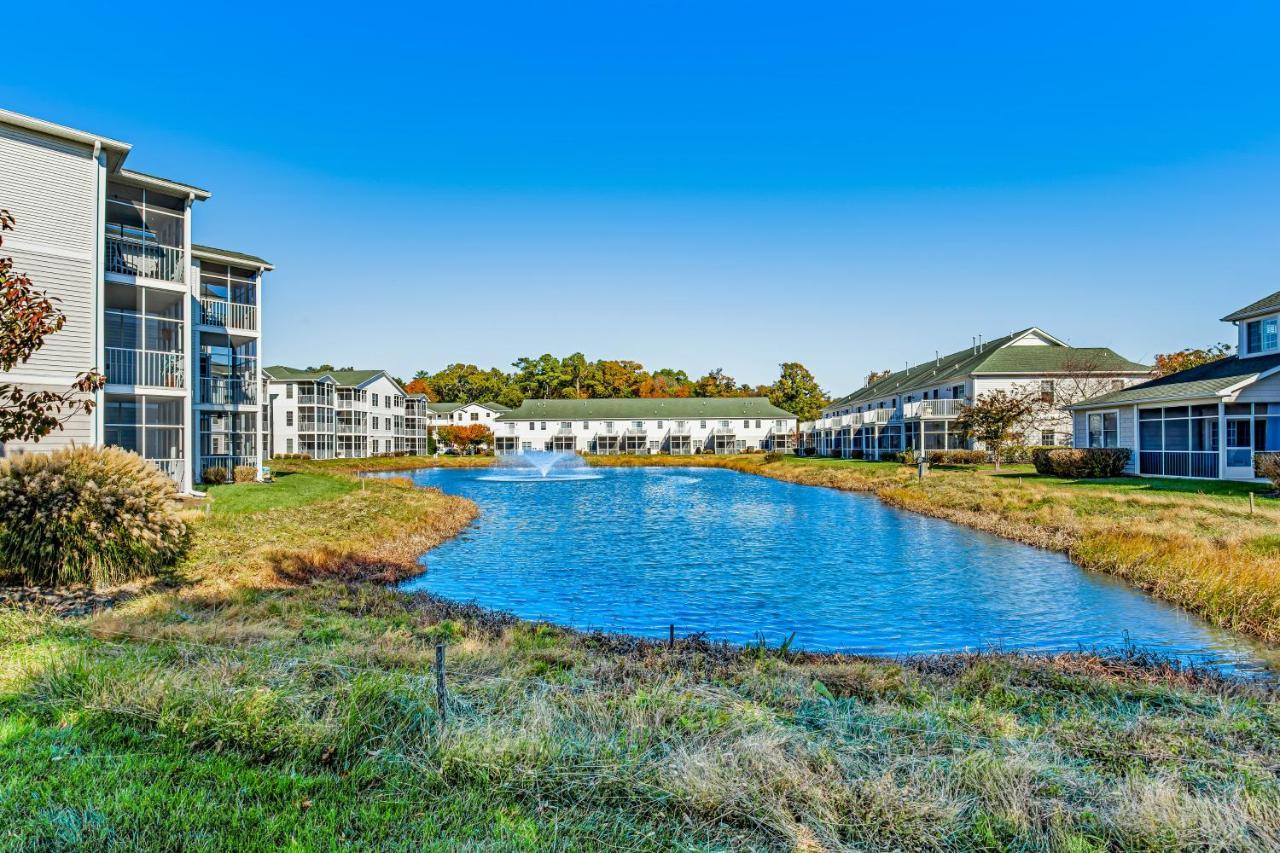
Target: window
{"x":637,"y":424}
{"x":288,"y":391}
{"x":1046,"y":391}
{"x":746,"y":424}
{"x":1117,"y":384}
{"x":376,"y":445}
{"x":288,"y":445}
{"x":586,"y":424}
{"x":375,"y":400}
{"x":757,"y":424}
{"x":659,"y":424}
{"x":386,"y":402}
{"x":475,"y":416}
{"x":1048,"y":437}
{"x":702,"y":424}
{"x":1104,"y":429}
{"x":544,"y":424}
{"x":566,"y":425}
{"x":957,"y":392}
{"x":1262,"y":335}
{"x":288,"y":418}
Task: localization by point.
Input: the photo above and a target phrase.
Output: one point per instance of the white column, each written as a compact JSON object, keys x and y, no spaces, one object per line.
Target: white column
{"x":189,"y":321}
{"x":1222,"y":439}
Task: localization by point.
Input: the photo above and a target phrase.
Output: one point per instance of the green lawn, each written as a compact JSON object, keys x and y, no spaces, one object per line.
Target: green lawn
{"x":288,"y":490}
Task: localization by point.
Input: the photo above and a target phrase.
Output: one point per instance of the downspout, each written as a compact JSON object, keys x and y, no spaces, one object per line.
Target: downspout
{"x":97,"y":429}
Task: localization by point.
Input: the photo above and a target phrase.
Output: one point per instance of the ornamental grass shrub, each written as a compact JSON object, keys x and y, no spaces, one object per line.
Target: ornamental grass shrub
{"x":947,"y":457}
{"x":1081,"y":463}
{"x":84,"y":515}
{"x":214,"y":475}
{"x":245,"y":473}
{"x":1268,"y":465}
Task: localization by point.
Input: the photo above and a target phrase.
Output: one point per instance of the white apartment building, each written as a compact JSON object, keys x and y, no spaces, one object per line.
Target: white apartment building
{"x":676,"y":425}
{"x":1209,"y":422}
{"x":173,"y":325}
{"x":916,"y":408}
{"x":342,"y":414}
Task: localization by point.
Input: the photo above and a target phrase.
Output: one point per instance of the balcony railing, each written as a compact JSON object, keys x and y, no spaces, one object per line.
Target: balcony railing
{"x":229,"y":463}
{"x":315,"y":400}
{"x":143,"y":258}
{"x":679,"y":429}
{"x":564,"y":431}
{"x":229,"y":315}
{"x":309,"y":425}
{"x":348,"y":428}
{"x":174,"y":469}
{"x":934,"y":408}
{"x":145,"y":367}
{"x":228,"y":392}
{"x":1179,"y":463}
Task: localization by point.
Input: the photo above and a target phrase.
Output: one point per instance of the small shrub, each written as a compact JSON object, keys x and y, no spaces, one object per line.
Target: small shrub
{"x":1023,"y":454}
{"x":1081,"y":463}
{"x":99,"y":516}
{"x":1268,"y":465}
{"x":773,"y":456}
{"x":214,"y":475}
{"x":245,"y":473}
{"x":957,"y":457}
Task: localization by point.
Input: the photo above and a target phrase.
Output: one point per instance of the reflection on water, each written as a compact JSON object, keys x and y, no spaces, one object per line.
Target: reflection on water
{"x":737,"y":556}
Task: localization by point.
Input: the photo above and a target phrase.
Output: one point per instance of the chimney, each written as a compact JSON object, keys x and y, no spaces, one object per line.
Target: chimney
{"x":979,"y":343}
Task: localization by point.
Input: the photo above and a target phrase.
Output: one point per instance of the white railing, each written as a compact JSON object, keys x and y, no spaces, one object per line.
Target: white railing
{"x":174,"y":469}
{"x":940,"y":408}
{"x":347,"y":403}
{"x":314,"y":400}
{"x":318,"y":425}
{"x":228,"y":463}
{"x":345,"y":428}
{"x":564,"y":431}
{"x":228,"y":392}
{"x":131,"y":256}
{"x":230,"y":315}
{"x":145,"y":367}
{"x":678,"y":429}
{"x":636,"y":431}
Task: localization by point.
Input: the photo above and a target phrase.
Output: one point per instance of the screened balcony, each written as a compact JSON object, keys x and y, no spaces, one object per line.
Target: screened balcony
{"x":152,"y":427}
{"x":316,"y":394}
{"x":228,"y":370}
{"x":228,"y":391}
{"x":228,"y":297}
{"x":607,"y":442}
{"x":145,"y":234}
{"x":144,"y":337}
{"x":1179,"y":441}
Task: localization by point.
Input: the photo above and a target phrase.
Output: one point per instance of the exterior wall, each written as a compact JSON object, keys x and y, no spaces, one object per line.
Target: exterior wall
{"x":52,"y":188}
{"x":1266,"y":390}
{"x":384,"y":436}
{"x":388,"y":435}
{"x":538,"y":435}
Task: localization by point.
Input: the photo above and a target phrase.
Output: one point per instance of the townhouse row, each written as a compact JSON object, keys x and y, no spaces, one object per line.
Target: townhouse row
{"x":916,"y":408}
{"x":677,"y":426}
{"x":175,"y":326}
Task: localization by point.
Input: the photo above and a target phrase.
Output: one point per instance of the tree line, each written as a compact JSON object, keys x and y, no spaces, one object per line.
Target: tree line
{"x":573,"y":377}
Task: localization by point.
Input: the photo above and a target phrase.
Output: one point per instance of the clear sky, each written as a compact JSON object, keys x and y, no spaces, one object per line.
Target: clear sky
{"x":698,"y":184}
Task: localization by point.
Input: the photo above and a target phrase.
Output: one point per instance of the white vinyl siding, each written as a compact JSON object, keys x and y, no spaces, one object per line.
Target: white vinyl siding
{"x":51,"y":188}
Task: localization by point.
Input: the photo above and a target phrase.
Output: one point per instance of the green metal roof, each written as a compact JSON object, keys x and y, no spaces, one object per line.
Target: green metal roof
{"x":1207,"y":380}
{"x":1265,"y":305}
{"x":344,"y":378}
{"x":253,"y":260}
{"x":998,"y":357}
{"x":443,"y":408}
{"x":645,"y":408}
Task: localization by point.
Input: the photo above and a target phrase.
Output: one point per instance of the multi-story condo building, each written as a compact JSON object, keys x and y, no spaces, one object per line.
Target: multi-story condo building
{"x":1209,"y":422}
{"x":916,"y":408}
{"x":677,"y":425}
{"x":344,"y":414}
{"x":174,"y":326}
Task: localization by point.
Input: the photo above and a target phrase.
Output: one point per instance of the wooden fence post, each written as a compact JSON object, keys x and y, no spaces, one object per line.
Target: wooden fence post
{"x":442,"y":697}
{"x":671,"y":636}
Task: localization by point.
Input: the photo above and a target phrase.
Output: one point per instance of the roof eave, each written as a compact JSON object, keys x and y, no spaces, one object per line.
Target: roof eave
{"x":115,"y":150}
{"x":152,"y":182}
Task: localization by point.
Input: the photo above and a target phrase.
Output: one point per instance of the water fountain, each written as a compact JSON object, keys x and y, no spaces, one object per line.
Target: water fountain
{"x":538,"y":465}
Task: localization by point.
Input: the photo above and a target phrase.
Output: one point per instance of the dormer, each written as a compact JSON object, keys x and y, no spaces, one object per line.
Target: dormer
{"x":1258,"y":327}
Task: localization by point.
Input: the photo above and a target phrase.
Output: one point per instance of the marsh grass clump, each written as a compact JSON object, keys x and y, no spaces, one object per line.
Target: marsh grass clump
{"x":98,"y":516}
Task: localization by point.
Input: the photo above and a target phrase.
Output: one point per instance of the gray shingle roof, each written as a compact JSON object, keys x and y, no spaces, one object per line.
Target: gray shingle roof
{"x":1265,"y":305}
{"x":253,"y":260}
{"x":1207,"y":380}
{"x":645,"y":408}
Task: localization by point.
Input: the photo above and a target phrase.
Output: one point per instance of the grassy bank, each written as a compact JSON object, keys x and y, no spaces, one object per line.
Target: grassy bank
{"x":270,"y":696}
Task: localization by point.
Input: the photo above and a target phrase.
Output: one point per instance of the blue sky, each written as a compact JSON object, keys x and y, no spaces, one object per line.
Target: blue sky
{"x":703,"y":185}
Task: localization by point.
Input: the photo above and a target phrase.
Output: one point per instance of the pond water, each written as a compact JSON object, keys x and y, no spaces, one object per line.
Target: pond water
{"x":741,"y":557}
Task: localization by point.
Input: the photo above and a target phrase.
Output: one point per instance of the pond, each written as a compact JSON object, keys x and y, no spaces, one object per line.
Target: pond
{"x":742,"y":557}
